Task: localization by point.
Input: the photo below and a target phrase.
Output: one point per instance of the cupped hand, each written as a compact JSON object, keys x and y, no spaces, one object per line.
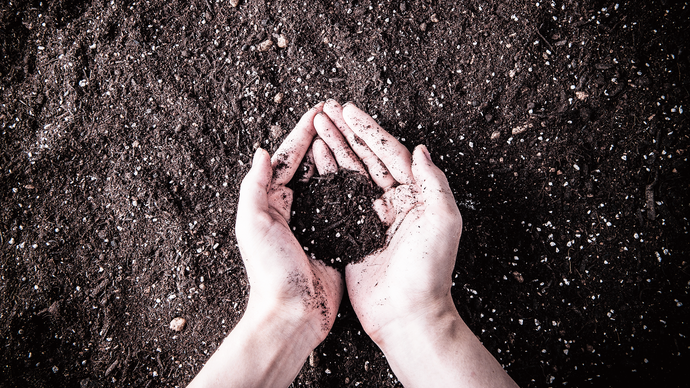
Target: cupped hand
{"x":409,"y":279}
{"x":284,"y":281}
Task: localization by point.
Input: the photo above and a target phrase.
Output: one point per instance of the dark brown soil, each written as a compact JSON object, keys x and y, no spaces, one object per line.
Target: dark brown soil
{"x":127,"y":126}
{"x":334,"y":220}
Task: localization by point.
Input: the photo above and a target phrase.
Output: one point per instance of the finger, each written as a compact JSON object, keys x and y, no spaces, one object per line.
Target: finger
{"x":287,"y":158}
{"x":378,"y":172}
{"x":344,"y":156}
{"x":255,"y":185}
{"x":307,"y":167}
{"x":432,"y":184}
{"x":323,"y":158}
{"x":394,"y":155}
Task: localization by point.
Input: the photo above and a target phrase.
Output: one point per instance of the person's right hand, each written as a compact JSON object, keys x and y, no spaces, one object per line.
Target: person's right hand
{"x":411,"y":276}
{"x":401,"y":293}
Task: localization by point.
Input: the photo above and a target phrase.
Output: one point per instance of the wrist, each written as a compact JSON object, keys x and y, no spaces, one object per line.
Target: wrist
{"x":283,"y":324}
{"x":427,"y":326}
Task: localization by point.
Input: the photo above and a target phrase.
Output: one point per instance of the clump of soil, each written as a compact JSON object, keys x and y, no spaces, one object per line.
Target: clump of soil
{"x":334,"y":219}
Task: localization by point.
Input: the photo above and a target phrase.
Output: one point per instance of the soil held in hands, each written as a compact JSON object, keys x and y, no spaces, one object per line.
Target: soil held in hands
{"x":334,"y":219}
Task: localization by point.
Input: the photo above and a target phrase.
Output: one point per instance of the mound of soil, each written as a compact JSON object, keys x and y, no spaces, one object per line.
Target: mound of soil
{"x":334,"y":220}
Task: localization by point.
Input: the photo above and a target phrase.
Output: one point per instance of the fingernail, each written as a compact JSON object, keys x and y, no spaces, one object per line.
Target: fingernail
{"x":348,"y":103}
{"x":256,"y":154}
{"x":425,"y":151}
{"x":321,"y":116}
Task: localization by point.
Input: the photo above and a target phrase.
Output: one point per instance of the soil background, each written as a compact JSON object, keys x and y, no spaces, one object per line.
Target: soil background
{"x":128,"y":126}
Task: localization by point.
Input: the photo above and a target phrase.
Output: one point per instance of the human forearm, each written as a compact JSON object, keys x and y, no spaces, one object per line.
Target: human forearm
{"x":265,"y":349}
{"x":437,"y":349}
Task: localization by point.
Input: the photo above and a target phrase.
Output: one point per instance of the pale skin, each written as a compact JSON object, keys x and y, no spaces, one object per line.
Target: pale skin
{"x":400,"y":294}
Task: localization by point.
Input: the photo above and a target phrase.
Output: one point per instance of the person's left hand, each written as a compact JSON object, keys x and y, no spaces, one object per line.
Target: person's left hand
{"x":284,"y":281}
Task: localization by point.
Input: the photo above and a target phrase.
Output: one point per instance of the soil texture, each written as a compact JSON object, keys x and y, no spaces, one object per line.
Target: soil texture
{"x":126,"y":128}
{"x":334,"y":220}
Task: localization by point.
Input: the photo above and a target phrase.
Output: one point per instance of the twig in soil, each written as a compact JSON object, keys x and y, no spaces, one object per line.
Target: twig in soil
{"x":250,"y":82}
{"x":101,"y":286}
{"x":112,"y":367}
{"x":352,"y":241}
{"x":160,"y":364}
{"x":335,"y":224}
{"x":542,"y":36}
{"x":239,"y":130}
{"x":649,"y":194}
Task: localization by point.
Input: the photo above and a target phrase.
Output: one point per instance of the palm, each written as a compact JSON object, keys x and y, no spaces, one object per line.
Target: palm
{"x":413,"y":270}
{"x":304,"y":285}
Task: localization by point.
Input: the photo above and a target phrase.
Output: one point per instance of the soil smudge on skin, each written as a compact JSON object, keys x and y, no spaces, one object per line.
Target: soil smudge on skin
{"x":334,"y":219}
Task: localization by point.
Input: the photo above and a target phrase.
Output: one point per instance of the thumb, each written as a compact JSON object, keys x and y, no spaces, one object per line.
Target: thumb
{"x":255,"y":185}
{"x":434,"y":190}
{"x":429,"y":178}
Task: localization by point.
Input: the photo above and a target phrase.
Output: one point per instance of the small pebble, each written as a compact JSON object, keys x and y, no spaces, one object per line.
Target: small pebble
{"x":278,"y":98}
{"x":495,"y":135}
{"x":581,"y":95}
{"x":282,"y":41}
{"x":178,"y":324}
{"x":234,"y":3}
{"x":422,"y":27}
{"x":276,"y":131}
{"x":265,"y":45}
{"x":520,"y":129}
{"x":434,"y":18}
